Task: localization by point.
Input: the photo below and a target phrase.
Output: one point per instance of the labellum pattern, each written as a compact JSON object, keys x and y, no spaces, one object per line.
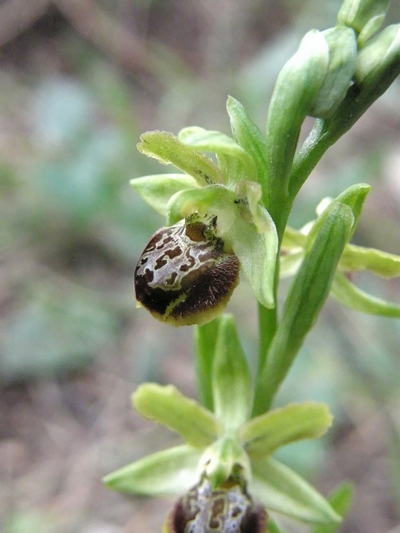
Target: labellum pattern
{"x":225,"y":510}
{"x":184,"y":275}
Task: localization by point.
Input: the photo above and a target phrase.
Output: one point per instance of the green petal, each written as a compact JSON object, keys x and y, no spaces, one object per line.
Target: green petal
{"x":214,"y":141}
{"x":383,"y":264}
{"x":262,"y":435}
{"x":167,"y":472}
{"x":257,"y":253}
{"x":348,"y":294}
{"x":166,"y":148}
{"x":211,"y":200}
{"x":230,"y":377}
{"x":307,"y":295}
{"x":167,"y":406}
{"x":157,"y":190}
{"x":250,"y":138}
{"x":280,"y":489}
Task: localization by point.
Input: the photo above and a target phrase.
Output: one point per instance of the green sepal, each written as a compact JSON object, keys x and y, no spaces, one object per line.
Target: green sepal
{"x":293,"y":238}
{"x":264,"y":434}
{"x":225,"y":459}
{"x":156,"y":190}
{"x":378,"y":56}
{"x":289,"y":263}
{"x":342,"y":45}
{"x":340,"y":500}
{"x":257,"y":253}
{"x":348,"y":294}
{"x":280,"y":489}
{"x":166,"y":405}
{"x":167,"y":472}
{"x":365,"y":16}
{"x":205,"y":343}
{"x":295,"y":90}
{"x":357,"y":258}
{"x":219,"y":143}
{"x":167,"y":149}
{"x":307,"y":295}
{"x":250,"y":138}
{"x":231,"y":380}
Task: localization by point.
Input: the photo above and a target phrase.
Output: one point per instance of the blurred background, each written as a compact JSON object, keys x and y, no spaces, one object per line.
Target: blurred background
{"x":79,"y":81}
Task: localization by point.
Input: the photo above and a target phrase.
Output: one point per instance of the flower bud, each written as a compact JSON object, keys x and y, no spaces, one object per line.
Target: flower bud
{"x":342,"y":47}
{"x":364,"y":16}
{"x":184,"y":275}
{"x":379,"y":56}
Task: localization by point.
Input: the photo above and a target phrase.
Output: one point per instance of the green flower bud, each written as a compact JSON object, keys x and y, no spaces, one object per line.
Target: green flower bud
{"x":294,"y":94}
{"x":364,"y":16}
{"x":342,"y":46}
{"x":184,"y":275}
{"x":379,"y":57}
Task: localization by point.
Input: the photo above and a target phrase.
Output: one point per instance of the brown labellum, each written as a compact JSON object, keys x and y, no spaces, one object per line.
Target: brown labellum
{"x":225,"y":510}
{"x":184,"y":275}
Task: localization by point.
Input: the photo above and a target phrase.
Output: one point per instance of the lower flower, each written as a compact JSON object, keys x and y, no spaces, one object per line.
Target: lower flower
{"x":228,"y":509}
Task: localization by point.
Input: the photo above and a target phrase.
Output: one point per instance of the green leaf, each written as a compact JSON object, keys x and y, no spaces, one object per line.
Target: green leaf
{"x":295,"y":90}
{"x":348,"y":294}
{"x":167,"y":472}
{"x":342,"y":45}
{"x":231,"y":380}
{"x":167,"y":406}
{"x":340,"y":500}
{"x":365,"y":16}
{"x":205,"y":339}
{"x":250,"y":138}
{"x":357,"y":258}
{"x":166,"y":148}
{"x":264,"y":434}
{"x":157,"y":190}
{"x":280,"y":489}
{"x":257,"y":253}
{"x":307,"y":295}
{"x":214,"y":141}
